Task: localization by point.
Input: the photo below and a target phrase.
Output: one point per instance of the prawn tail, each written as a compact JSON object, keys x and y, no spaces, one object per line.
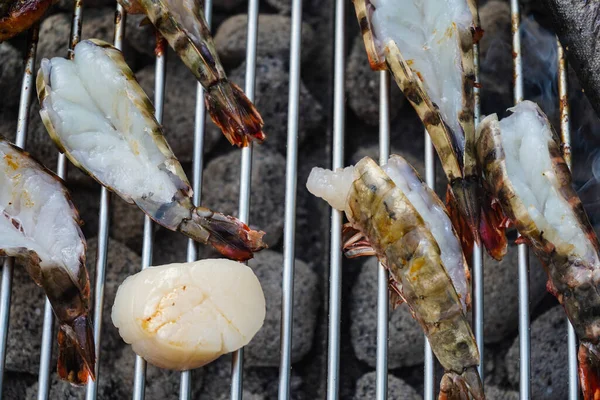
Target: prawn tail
{"x":589,"y":370}
{"x":228,"y":235}
{"x":76,"y":351}
{"x":466,"y":194}
{"x":492,"y":227}
{"x":234,"y":113}
{"x":464,"y":386}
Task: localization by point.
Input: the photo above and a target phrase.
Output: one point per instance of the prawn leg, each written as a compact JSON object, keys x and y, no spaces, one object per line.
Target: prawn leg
{"x":356,"y":244}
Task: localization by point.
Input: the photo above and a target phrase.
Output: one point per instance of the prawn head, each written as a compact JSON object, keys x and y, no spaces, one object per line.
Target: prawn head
{"x":459,"y":386}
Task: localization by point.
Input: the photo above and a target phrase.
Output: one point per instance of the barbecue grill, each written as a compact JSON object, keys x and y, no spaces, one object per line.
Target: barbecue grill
{"x":335,"y":256}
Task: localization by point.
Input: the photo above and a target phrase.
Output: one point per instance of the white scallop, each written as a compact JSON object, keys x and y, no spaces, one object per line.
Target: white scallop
{"x":183,"y":316}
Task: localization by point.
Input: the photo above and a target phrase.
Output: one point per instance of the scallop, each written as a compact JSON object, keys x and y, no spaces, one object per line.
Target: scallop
{"x":183,"y":316}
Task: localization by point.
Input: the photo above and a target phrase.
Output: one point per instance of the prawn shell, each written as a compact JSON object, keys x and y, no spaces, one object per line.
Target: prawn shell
{"x":581,"y":303}
{"x":363,"y":14}
{"x":21,"y":15}
{"x":143,"y":105}
{"x":198,"y":53}
{"x":403,"y":243}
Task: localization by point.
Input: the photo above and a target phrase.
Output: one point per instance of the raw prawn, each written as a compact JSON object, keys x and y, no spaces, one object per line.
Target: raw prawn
{"x":39,"y":225}
{"x":523,"y":165}
{"x":395,"y":216}
{"x":182,"y":23}
{"x":98,"y":115}
{"x":428,"y":48}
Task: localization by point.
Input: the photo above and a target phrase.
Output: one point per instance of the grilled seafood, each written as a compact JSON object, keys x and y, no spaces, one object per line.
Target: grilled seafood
{"x":428,"y":48}
{"x":523,"y":164}
{"x":39,"y":225}
{"x":97,"y":114}
{"x":17,"y":16}
{"x":182,"y":23}
{"x":183,"y":316}
{"x":396,"y":217}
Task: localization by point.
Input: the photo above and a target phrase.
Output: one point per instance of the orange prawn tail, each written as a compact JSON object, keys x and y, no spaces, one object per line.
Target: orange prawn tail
{"x":589,"y":370}
{"x":76,"y":351}
{"x":464,"y":386}
{"x":234,"y":113}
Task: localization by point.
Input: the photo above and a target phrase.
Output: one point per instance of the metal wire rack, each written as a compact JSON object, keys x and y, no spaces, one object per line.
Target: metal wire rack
{"x":335,"y":260}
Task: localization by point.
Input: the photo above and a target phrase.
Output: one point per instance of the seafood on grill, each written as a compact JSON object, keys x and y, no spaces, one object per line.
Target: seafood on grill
{"x":392,"y":214}
{"x":17,"y":16}
{"x":98,"y":115}
{"x":183,"y":316}
{"x":39,"y":226}
{"x":182,"y":23}
{"x":523,"y":165}
{"x":428,"y":48}
{"x":576,"y":24}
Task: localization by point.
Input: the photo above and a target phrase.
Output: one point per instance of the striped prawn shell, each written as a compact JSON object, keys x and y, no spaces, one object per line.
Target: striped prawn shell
{"x":198,"y":52}
{"x":403,"y":243}
{"x":457,"y":162}
{"x":581,"y":301}
{"x":143,"y":104}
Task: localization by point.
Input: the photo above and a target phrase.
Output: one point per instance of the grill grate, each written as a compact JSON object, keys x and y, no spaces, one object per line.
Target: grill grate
{"x":335,"y":261}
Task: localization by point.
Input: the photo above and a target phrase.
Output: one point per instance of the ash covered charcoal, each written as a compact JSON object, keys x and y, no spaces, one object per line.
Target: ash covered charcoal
{"x":141,"y":36}
{"x":67,"y":5}
{"x":261,"y":383}
{"x":127,"y":223}
{"x":397,"y":388}
{"x":501,"y":313}
{"x":263,"y":350}
{"x":406,"y":341}
{"x":548,"y":356}
{"x":179,"y":109}
{"x":273,"y":38}
{"x":222,"y":189}
{"x":271,"y":98}
{"x":25,"y":324}
{"x":362,"y":87}
{"x":496,"y":393}
{"x":11,"y":75}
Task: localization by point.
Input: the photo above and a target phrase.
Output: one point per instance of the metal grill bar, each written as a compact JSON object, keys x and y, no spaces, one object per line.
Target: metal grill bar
{"x":246,"y":174}
{"x":103,"y":228}
{"x":291,"y":174}
{"x":61,"y":171}
{"x":477,"y":270}
{"x":565,"y":136}
{"x":523,"y":257}
{"x":429,"y":372}
{"x":139,"y":384}
{"x":335,"y":256}
{"x":382,"y":272}
{"x":185,"y":387}
{"x":22,"y":125}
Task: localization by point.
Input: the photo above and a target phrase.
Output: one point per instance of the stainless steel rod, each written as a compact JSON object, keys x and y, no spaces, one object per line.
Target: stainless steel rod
{"x":335,"y":257}
{"x":477,"y":270}
{"x":237,"y":362}
{"x":429,"y":378}
{"x":61,"y":171}
{"x":103,"y":228}
{"x":291,"y":182}
{"x":185,"y":387}
{"x":139,"y":383}
{"x":382,"y":273}
{"x":523,"y":257}
{"x":27,"y":86}
{"x":565,"y":136}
